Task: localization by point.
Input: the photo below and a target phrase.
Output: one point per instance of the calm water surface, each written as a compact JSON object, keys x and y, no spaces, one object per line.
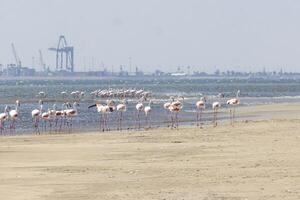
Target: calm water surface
{"x":252,"y":92}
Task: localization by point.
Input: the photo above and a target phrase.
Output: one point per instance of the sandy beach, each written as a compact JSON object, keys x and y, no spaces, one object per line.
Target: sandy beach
{"x":255,"y":159}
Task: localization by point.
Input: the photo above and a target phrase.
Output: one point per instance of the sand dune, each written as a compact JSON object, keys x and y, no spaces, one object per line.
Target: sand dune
{"x":253,"y":160}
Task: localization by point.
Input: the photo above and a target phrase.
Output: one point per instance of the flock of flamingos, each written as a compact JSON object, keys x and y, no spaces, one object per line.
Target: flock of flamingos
{"x":58,"y":119}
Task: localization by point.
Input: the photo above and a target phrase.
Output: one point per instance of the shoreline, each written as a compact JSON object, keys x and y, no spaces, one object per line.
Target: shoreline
{"x":243,"y":113}
{"x":255,"y":159}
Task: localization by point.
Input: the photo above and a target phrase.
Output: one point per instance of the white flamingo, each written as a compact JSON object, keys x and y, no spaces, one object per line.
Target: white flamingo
{"x":215,"y":106}
{"x":233,"y":103}
{"x":108,"y":109}
{"x":100,"y":110}
{"x":52,"y":116}
{"x":70,"y":113}
{"x":13,"y":115}
{"x":3,"y":118}
{"x":167,"y":108}
{"x":59,"y":116}
{"x":104,"y":110}
{"x":139,"y":107}
{"x":175,"y":108}
{"x":200,"y":107}
{"x":42,"y":94}
{"x":148,"y":111}
{"x":35,"y":114}
{"x":121,"y":108}
{"x":46,"y":116}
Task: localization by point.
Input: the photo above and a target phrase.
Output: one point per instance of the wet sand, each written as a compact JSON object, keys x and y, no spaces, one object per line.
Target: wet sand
{"x":255,"y":159}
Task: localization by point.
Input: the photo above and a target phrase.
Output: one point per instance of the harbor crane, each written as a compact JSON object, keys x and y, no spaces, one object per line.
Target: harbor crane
{"x":64,"y":55}
{"x":17,"y":60}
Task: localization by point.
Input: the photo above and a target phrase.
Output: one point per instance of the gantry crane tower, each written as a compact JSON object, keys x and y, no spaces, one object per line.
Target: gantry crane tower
{"x":64,"y":55}
{"x":17,"y":60}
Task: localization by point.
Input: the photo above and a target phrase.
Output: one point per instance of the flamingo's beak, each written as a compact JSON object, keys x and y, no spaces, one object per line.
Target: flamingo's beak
{"x":91,"y":106}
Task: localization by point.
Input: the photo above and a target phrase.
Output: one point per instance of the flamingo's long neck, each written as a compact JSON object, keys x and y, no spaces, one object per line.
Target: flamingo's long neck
{"x":41,"y":107}
{"x":6,"y":110}
{"x":237,"y":94}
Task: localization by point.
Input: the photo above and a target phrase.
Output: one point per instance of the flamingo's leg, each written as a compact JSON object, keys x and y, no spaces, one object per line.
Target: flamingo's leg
{"x":45,"y":125}
{"x":200,"y":118}
{"x":139,"y":121}
{"x":233,"y":118}
{"x":150,"y":121}
{"x":172,"y":120}
{"x":1,"y":127}
{"x":216,"y":118}
{"x":61,"y":124}
{"x":197,"y":118}
{"x":120,"y":121}
{"x":100,"y":121}
{"x":71,"y":124}
{"x":176,"y":118}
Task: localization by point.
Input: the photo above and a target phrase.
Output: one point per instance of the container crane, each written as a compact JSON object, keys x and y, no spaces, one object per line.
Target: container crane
{"x":17,"y":60}
{"x":64,"y":55}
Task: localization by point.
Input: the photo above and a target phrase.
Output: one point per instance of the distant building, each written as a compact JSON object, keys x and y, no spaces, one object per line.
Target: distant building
{"x":13,"y":70}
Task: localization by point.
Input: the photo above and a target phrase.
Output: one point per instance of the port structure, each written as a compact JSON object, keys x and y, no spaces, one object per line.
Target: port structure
{"x":64,"y":55}
{"x":17,"y":60}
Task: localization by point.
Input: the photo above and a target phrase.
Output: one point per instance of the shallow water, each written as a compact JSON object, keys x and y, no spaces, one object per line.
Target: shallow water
{"x":252,"y":92}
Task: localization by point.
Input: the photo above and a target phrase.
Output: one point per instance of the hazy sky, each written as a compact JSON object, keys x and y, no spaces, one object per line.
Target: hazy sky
{"x":227,"y":34}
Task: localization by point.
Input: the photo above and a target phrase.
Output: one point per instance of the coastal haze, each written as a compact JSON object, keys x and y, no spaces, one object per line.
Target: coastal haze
{"x":157,"y":99}
{"x":206,"y":35}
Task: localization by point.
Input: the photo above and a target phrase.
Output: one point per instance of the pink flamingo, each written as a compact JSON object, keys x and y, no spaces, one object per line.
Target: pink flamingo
{"x":200,"y":107}
{"x":233,"y":103}
{"x":35,"y":114}
{"x":139,"y":107}
{"x":148,"y":111}
{"x":4,"y":117}
{"x":175,"y":108}
{"x":121,"y":108}
{"x":13,"y":115}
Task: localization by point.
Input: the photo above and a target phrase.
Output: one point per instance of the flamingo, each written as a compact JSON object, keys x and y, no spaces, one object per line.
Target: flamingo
{"x":176,"y":108}
{"x":71,"y":113}
{"x":64,"y":94}
{"x":167,"y":108}
{"x":215,"y":106}
{"x":139,"y":107}
{"x":42,"y":94}
{"x":104,"y":110}
{"x":59,"y":115}
{"x":121,"y":108}
{"x":13,"y":115}
{"x":200,"y":107}
{"x":147,"y":111}
{"x":100,"y":110}
{"x":233,"y":103}
{"x":46,"y":116}
{"x":4,"y":117}
{"x":107,"y":109}
{"x":52,"y":116}
{"x":35,"y":114}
